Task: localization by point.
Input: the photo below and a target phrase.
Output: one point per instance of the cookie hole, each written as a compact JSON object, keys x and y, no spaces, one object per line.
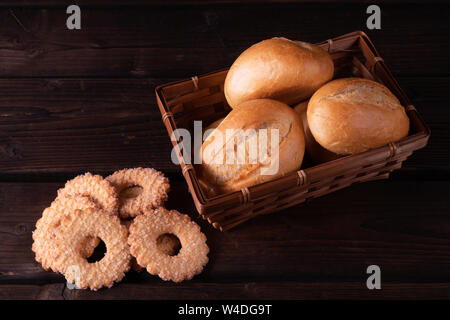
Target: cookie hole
{"x":169,"y":244}
{"x":98,"y":254}
{"x":130,"y":192}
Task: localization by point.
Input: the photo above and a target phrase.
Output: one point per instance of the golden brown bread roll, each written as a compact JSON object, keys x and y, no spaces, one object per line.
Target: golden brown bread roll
{"x":211,"y":127}
{"x":208,"y":130}
{"x":351,"y":115}
{"x":316,"y":152}
{"x":279,"y":69}
{"x":217,"y":175}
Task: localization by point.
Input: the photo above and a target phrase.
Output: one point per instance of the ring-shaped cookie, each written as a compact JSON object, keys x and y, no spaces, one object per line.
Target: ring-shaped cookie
{"x":44,"y":234}
{"x":95,"y":187}
{"x":133,"y":263}
{"x":154,"y":184}
{"x":73,"y":229}
{"x":143,"y":236}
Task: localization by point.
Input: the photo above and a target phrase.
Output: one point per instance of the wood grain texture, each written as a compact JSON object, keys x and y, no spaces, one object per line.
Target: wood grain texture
{"x":230,"y":291}
{"x":72,"y":122}
{"x":66,"y":126}
{"x":172,"y":3}
{"x":185,"y":41}
{"x":76,"y":101}
{"x":316,"y":242}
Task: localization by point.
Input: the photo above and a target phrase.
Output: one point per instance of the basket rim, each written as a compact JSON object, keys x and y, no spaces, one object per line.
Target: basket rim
{"x":201,"y":202}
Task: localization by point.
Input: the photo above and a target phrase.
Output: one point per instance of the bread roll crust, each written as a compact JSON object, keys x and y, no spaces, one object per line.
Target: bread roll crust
{"x":255,"y":114}
{"x":279,"y":69}
{"x":351,"y":115}
{"x":316,"y":152}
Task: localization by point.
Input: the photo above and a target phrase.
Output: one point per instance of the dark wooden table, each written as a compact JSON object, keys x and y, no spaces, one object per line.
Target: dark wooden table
{"x":83,"y":100}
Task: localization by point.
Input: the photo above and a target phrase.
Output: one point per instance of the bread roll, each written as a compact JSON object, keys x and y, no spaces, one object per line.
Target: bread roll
{"x":211,"y":127}
{"x":316,"y":152}
{"x":351,"y":115}
{"x":208,"y":130}
{"x":278,"y":69}
{"x":218,"y":175}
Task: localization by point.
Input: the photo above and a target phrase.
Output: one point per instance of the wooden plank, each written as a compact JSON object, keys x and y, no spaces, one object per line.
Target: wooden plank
{"x":185,"y":41}
{"x":314,"y":242}
{"x":103,"y":124}
{"x":235,"y":290}
{"x":171,"y":3}
{"x":52,"y":291}
{"x":66,"y":126}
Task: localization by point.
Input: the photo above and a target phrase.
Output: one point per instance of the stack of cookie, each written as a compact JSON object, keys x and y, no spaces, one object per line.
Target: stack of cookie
{"x":125,"y":212}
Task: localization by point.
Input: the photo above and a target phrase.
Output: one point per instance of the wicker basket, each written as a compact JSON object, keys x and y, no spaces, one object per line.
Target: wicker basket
{"x":202,"y":98}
